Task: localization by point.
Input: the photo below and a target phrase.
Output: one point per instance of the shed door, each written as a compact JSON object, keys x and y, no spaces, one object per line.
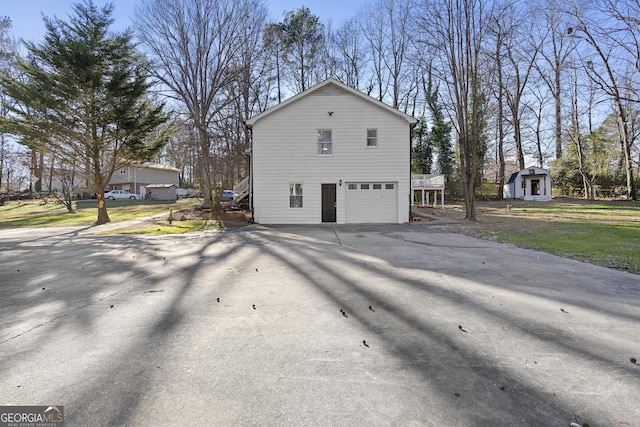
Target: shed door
{"x":328,"y":203}
{"x":372,"y":202}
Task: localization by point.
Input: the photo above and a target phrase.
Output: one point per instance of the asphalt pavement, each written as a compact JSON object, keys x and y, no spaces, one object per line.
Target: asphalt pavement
{"x":377,"y":325}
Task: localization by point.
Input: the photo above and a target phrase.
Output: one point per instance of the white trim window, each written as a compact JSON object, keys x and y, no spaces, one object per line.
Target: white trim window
{"x":325,"y":146}
{"x":295,"y":195}
{"x":372,"y":138}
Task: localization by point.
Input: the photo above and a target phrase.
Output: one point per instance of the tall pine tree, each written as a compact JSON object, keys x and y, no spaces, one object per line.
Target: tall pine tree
{"x":85,"y":98}
{"x":440,"y":136}
{"x":422,"y":149}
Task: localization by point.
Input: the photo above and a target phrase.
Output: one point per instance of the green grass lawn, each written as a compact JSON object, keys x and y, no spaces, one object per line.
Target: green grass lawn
{"x":605,"y":233}
{"x":38,"y":214}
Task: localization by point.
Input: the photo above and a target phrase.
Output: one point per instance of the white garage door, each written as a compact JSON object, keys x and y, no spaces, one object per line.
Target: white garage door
{"x":372,"y":202}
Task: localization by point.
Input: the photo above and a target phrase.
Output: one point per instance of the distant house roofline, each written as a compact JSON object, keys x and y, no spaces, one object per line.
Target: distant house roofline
{"x":158,"y":166}
{"x":160,"y":185}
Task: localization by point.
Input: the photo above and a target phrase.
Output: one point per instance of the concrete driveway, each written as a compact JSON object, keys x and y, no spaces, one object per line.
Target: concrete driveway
{"x":402,"y":325}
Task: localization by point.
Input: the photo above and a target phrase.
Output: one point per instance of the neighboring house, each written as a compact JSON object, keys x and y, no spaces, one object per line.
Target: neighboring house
{"x":161,"y":192}
{"x":533,"y":183}
{"x":331,"y":154}
{"x":135,"y":178}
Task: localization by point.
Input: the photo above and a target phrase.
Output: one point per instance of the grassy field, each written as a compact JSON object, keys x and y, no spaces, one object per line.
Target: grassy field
{"x":605,"y":233}
{"x":38,"y":214}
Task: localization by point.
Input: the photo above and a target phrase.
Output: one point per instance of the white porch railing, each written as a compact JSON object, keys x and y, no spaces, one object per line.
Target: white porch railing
{"x":426,"y":184}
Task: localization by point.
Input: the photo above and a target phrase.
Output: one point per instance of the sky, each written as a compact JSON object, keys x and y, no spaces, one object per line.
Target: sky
{"x":26,"y":15}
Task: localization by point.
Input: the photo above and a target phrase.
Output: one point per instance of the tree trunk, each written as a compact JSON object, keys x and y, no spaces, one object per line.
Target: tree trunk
{"x":34,"y":165}
{"x":626,"y":151}
{"x":50,"y":175}
{"x":577,"y":139}
{"x":539,"y":137}
{"x":2,"y":155}
{"x":103,"y":215}
{"x":278,"y":77}
{"x":558,"y":105}
{"x":517,"y":135}
{"x":40,"y":173}
{"x":588,"y":193}
{"x":470,"y":199}
{"x":501,"y":165}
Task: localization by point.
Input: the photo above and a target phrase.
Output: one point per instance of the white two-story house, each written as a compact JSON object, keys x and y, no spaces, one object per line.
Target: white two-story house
{"x":331,"y":154}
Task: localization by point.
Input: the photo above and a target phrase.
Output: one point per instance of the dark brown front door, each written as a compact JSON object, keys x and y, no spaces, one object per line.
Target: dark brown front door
{"x":328,"y":203}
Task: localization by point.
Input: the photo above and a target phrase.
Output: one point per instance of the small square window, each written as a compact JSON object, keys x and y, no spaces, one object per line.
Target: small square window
{"x":353,"y":186}
{"x":325,"y":146}
{"x":123,"y":171}
{"x":389,"y":186}
{"x":372,"y":137}
{"x":377,"y":186}
{"x":364,"y":186}
{"x":295,"y":195}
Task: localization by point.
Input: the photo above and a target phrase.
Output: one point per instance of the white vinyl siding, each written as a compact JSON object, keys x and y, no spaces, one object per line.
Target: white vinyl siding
{"x":284,"y":153}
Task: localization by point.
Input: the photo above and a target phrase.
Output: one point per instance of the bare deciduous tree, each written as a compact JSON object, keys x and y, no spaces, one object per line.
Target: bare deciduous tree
{"x":387,"y":27}
{"x":274,"y":47}
{"x":457,"y":29}
{"x":351,"y":54}
{"x":195,"y":45}
{"x":498,"y":31}
{"x":605,"y":67}
{"x":521,"y":51}
{"x":556,"y":52}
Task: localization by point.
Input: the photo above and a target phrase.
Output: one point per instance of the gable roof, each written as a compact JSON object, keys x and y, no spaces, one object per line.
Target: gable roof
{"x":327,"y":83}
{"x":514,"y":175}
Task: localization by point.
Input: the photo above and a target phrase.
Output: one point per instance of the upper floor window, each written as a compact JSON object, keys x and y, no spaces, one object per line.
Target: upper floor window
{"x":124,"y":171}
{"x":324,"y":142}
{"x":372,"y":137}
